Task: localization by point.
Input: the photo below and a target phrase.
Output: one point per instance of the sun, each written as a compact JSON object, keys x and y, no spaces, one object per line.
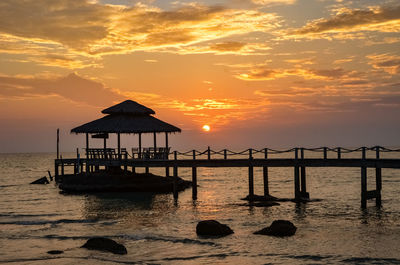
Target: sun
{"x":206,"y":128}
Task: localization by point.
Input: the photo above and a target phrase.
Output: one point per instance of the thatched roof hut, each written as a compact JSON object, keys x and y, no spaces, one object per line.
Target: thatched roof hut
{"x":128,"y":117}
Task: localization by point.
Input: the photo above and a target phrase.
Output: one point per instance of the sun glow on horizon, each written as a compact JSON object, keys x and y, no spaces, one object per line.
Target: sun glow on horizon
{"x":206,"y":128}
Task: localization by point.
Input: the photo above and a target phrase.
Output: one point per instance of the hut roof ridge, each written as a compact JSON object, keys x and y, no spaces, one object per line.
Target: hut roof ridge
{"x":128,"y":107}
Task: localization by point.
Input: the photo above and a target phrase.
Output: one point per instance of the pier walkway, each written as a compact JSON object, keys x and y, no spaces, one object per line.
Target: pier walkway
{"x":299,"y":159}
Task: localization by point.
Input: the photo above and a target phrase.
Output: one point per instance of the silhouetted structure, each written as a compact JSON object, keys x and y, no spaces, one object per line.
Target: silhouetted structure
{"x":128,"y":117}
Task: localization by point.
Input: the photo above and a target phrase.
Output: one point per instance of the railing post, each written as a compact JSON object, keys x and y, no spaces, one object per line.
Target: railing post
{"x":339,"y":155}
{"x":265,"y":175}
{"x":208,"y":153}
{"x":225,"y":154}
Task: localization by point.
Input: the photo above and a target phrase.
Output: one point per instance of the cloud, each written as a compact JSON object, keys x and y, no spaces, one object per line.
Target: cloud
{"x":382,"y":19}
{"x":260,"y":73}
{"x":386,"y":62}
{"x":262,"y":2}
{"x":71,"y":87}
{"x":91,"y":29}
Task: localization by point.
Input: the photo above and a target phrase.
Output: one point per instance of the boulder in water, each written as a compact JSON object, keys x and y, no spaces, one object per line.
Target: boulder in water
{"x":105,"y":244}
{"x":213,"y":228}
{"x":42,"y":180}
{"x":278,"y":228}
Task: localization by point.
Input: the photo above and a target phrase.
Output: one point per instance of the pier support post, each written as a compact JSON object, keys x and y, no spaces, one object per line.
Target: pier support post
{"x":265,"y":175}
{"x":378,"y":179}
{"x":194,"y":183}
{"x":251,"y":182}
{"x":175,"y":178}
{"x":56,"y":176}
{"x":251,"y":176}
{"x":194,"y":179}
{"x":303,"y":178}
{"x":296,"y":177}
{"x":363,"y":187}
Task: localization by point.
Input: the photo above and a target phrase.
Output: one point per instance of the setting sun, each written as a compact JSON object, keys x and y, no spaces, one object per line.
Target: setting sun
{"x":206,"y":128}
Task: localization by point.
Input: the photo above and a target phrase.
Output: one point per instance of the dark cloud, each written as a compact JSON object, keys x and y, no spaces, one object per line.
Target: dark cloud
{"x":228,"y":46}
{"x":71,"y":87}
{"x":348,"y":19}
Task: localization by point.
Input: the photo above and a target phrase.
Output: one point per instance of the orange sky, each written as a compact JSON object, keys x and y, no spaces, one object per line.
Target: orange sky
{"x":260,"y":73}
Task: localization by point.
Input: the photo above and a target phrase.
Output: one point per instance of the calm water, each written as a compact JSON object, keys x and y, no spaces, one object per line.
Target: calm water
{"x":36,"y":218}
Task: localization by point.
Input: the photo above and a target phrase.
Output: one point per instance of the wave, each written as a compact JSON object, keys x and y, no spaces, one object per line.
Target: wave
{"x":170,"y":239}
{"x":44,"y":222}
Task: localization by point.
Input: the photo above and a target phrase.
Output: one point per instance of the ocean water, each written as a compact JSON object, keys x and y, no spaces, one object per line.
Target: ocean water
{"x":158,"y":230}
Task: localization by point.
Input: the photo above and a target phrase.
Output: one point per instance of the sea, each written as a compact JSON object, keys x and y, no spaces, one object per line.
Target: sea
{"x":156,"y":229}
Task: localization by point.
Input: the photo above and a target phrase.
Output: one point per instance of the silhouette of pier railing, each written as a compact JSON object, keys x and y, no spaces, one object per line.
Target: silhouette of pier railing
{"x":298,"y":158}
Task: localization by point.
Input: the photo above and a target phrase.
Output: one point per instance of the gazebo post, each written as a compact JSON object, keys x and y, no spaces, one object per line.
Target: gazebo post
{"x":140,"y":145}
{"x":119,"y":145}
{"x":166,"y":154}
{"x":155,"y":141}
{"x":105,"y":150}
{"x":87,"y":152}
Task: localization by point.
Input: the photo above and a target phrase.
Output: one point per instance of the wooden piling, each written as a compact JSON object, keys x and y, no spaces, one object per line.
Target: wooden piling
{"x":363,"y":187}
{"x":296,"y":178}
{"x":303,"y":183}
{"x":175,"y":181}
{"x":251,"y":175}
{"x":265,"y":175}
{"x":194,"y":179}
{"x":251,"y":182}
{"x":378,"y":179}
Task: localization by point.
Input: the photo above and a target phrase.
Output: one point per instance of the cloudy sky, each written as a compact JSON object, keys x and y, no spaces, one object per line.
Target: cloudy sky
{"x":260,"y":73}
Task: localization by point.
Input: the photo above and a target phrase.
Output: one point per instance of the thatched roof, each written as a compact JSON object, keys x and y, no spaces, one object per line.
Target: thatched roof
{"x":125,"y":123}
{"x":129,"y":107}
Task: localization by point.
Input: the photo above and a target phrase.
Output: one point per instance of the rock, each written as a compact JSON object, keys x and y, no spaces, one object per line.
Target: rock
{"x":55,"y":252}
{"x":105,"y":244}
{"x":213,"y":228}
{"x":279,"y":228}
{"x":43,"y":180}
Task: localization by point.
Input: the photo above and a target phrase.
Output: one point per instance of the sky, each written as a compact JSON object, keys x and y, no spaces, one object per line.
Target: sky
{"x":260,"y":73}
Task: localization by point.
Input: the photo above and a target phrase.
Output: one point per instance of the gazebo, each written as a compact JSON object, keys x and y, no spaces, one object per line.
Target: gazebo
{"x":128,"y":117}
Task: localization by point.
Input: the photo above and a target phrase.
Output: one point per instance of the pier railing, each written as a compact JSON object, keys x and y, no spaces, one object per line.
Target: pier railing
{"x":376,"y":157}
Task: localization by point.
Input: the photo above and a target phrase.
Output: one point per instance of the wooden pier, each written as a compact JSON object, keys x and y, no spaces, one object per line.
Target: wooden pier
{"x":295,"y":158}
